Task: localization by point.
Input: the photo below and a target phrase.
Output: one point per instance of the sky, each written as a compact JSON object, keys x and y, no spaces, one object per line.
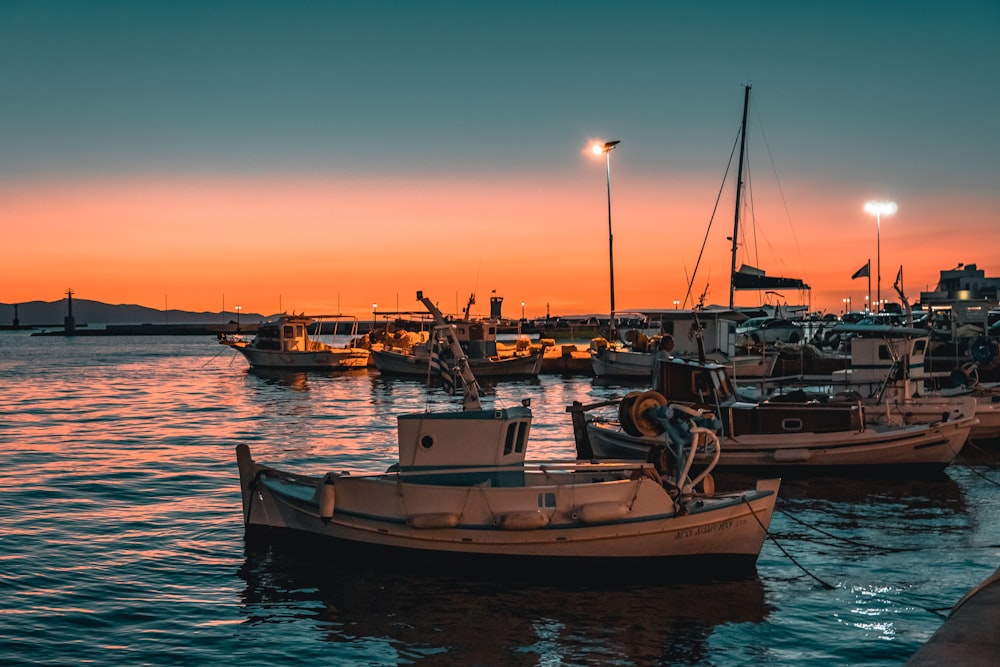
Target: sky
{"x":327,"y":156}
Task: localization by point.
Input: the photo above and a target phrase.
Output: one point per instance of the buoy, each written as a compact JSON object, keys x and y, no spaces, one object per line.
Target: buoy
{"x":327,"y":499}
{"x":601,"y":512}
{"x":437,"y":520}
{"x":523,"y":520}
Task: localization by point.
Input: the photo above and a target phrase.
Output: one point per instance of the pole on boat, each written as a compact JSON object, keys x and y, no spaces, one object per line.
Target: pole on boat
{"x":739,"y":189}
{"x":606,"y":149}
{"x":470,"y":386}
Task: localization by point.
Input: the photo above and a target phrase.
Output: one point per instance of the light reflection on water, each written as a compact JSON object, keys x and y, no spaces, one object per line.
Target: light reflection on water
{"x":122,"y":542}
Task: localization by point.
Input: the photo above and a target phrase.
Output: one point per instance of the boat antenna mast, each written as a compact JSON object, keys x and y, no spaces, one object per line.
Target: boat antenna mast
{"x":739,"y":190}
{"x":470,"y":386}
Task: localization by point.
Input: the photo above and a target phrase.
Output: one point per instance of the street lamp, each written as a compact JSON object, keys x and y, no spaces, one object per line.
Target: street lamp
{"x":677,"y":304}
{"x":238,"y":309}
{"x":522,"y":311}
{"x":877,"y":208}
{"x":605,"y":149}
{"x":374,"y":315}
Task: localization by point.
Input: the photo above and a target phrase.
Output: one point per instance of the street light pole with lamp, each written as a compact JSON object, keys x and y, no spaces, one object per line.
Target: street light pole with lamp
{"x":238,"y":309}
{"x":605,"y":149}
{"x":877,"y":208}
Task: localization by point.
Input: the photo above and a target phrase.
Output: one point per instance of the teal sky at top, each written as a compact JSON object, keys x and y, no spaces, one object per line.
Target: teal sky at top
{"x":856,"y":90}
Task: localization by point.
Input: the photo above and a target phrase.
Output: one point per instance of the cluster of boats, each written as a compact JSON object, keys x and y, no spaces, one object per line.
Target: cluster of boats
{"x":641,"y":488}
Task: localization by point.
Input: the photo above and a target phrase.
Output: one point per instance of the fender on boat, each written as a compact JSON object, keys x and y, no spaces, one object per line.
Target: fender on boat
{"x":436,"y":520}
{"x":523,"y":520}
{"x":601,"y":512}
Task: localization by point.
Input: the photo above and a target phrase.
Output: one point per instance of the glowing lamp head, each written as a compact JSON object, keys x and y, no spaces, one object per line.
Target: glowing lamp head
{"x":880,"y":207}
{"x":601,"y":149}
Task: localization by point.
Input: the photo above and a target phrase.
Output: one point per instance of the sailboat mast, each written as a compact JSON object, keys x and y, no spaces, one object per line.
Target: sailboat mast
{"x":739,"y":190}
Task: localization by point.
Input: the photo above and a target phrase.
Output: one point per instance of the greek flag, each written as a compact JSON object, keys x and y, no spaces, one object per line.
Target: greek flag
{"x":440,"y":368}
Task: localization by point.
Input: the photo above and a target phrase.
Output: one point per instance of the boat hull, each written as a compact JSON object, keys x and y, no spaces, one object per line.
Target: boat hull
{"x":332,"y":359}
{"x":607,"y":362}
{"x":920,"y":445}
{"x":538,"y":519}
{"x":395,"y":363}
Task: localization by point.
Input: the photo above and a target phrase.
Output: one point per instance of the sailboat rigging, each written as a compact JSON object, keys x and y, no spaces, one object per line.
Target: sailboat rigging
{"x":747,"y":277}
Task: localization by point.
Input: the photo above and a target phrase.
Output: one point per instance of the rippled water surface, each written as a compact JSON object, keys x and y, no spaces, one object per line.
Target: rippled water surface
{"x":122,"y":541}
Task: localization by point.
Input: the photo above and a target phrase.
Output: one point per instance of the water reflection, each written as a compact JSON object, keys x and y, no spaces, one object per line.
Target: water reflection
{"x":461,"y":620}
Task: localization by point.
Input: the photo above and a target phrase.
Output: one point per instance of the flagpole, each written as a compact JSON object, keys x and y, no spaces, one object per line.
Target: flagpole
{"x":869,"y":284}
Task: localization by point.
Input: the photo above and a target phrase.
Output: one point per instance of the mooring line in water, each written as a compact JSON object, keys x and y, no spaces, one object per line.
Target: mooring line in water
{"x":767,"y":533}
{"x":845,"y":540}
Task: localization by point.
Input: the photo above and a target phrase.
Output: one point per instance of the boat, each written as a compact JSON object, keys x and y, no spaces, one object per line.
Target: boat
{"x":478,"y":341}
{"x":886,"y":371}
{"x":463,"y":492}
{"x":767,"y":434}
{"x":286,"y":343}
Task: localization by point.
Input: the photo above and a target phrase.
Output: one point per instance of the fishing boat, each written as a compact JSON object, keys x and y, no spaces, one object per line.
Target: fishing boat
{"x":477,"y":339}
{"x":781,"y":434}
{"x":286,"y":343}
{"x":462,"y":491}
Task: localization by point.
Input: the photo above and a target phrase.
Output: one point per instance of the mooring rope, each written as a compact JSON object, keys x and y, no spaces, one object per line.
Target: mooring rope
{"x":767,"y":533}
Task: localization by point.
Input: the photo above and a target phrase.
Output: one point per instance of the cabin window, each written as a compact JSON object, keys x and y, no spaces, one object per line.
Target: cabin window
{"x":427,"y":442}
{"x":701,"y":383}
{"x":288,"y":331}
{"x":791,"y":424}
{"x":919,"y":346}
{"x":883,"y":352}
{"x":508,"y":445}
{"x":546,"y":500}
{"x":522,"y":437}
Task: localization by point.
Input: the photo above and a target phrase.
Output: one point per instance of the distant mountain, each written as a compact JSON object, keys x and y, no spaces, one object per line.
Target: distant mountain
{"x":36,"y":313}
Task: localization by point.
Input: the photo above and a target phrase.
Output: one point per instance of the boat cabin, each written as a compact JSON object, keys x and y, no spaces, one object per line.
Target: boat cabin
{"x":709,"y":385}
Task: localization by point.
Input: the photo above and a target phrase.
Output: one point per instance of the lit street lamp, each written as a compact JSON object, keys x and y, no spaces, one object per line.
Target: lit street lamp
{"x":606,"y":149}
{"x":877,"y":208}
{"x":522,"y":311}
{"x":238,"y":309}
{"x":374,"y":315}
{"x":677,"y":304}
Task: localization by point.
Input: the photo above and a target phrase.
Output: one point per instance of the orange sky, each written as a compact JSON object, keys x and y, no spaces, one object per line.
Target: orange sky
{"x":327,"y":243}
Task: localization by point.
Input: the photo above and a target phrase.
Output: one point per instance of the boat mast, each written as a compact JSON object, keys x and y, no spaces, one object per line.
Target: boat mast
{"x":739,"y":189}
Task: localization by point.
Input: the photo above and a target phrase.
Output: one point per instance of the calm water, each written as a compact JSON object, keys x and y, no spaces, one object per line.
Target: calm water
{"x":122,"y":541}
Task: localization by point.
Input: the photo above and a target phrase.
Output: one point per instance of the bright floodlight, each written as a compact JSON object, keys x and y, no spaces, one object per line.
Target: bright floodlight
{"x":600,"y":149}
{"x":881,"y":207}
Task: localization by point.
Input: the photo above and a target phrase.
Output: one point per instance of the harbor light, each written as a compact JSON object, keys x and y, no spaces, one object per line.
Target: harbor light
{"x":238,"y":309}
{"x":878,"y":208}
{"x":605,"y":149}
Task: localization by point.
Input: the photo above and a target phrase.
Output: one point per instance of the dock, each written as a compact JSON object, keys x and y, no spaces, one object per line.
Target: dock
{"x":969,"y":635}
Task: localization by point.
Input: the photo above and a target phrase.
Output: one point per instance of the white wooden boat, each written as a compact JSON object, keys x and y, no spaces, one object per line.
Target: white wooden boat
{"x":768,"y":434}
{"x":463,"y":491}
{"x":287,"y":344}
{"x":887,"y":372}
{"x":478,"y":341}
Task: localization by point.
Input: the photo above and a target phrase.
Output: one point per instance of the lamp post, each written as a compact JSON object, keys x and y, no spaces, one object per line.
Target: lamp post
{"x":522,"y":311}
{"x":374,"y":315}
{"x":677,"y":304}
{"x":877,"y":208}
{"x":238,"y":309}
{"x":605,"y":149}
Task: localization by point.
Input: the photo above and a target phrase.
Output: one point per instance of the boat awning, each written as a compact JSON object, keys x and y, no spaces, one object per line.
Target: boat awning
{"x":750,"y":278}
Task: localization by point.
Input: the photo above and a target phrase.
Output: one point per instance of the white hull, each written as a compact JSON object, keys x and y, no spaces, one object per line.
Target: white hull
{"x":548,"y":514}
{"x":333,"y":359}
{"x":396,"y":363}
{"x":931,"y":445}
{"x":626,"y":363}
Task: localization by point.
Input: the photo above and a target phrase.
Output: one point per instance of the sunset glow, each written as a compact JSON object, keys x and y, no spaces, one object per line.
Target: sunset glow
{"x":282,"y":178}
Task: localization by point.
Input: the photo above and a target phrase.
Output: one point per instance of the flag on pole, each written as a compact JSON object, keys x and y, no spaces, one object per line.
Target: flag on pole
{"x":440,"y":368}
{"x":899,"y":278}
{"x":864,"y":271}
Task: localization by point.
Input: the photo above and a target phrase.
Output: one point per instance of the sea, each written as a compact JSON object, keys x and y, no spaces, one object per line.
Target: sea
{"x":122,"y":543}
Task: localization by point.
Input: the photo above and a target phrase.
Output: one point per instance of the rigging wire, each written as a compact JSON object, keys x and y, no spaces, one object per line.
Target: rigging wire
{"x":711,"y":219}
